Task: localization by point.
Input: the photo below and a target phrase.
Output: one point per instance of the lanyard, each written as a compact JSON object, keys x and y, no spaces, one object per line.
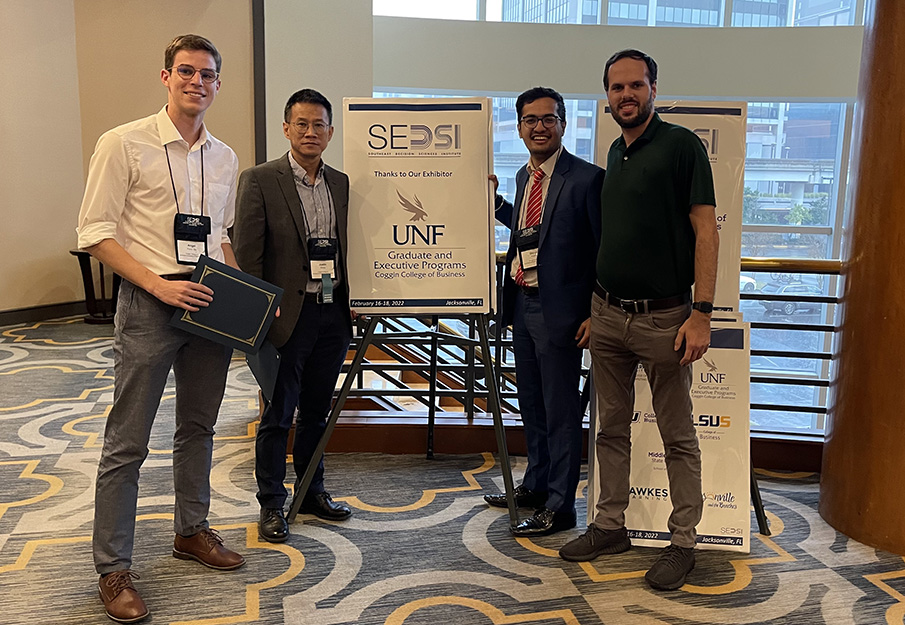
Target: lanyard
{"x":173,"y":183}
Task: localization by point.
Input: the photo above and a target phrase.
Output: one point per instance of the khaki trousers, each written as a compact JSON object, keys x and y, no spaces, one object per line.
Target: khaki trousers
{"x":619,"y":342}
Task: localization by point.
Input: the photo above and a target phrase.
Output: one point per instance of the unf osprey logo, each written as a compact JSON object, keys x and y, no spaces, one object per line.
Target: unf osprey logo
{"x":415,"y":208}
{"x":712,"y":375}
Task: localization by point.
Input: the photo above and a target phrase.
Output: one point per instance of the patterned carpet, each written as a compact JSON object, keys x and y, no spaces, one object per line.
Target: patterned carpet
{"x":421,"y":547}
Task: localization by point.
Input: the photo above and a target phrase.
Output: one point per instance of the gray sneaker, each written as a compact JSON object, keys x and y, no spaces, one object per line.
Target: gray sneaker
{"x":595,"y":542}
{"x":670,"y":569}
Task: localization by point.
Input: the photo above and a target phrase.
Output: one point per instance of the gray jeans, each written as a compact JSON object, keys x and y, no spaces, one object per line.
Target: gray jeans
{"x":619,"y":341}
{"x":144,"y":349}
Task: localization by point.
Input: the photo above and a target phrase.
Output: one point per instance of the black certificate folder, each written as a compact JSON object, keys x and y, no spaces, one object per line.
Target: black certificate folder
{"x":242,"y":310}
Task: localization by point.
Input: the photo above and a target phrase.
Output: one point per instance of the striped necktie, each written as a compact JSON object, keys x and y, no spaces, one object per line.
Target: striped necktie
{"x":532,"y":212}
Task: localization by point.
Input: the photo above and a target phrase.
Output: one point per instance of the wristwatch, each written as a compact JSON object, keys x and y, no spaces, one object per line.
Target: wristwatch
{"x":704,"y":307}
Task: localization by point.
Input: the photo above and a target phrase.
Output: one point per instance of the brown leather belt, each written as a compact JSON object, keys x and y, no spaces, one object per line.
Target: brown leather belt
{"x":641,"y":305}
{"x":177,"y":276}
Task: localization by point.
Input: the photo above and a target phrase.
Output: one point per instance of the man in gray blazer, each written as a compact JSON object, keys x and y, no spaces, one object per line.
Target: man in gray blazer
{"x":291,"y":216}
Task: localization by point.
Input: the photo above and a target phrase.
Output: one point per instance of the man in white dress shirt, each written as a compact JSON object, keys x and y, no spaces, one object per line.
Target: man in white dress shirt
{"x":160,"y":192}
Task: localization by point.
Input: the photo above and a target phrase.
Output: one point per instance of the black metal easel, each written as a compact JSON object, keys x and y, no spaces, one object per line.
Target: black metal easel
{"x":493,"y":399}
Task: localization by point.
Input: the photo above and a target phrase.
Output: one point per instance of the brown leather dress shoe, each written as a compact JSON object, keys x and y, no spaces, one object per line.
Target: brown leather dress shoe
{"x":122,"y":602}
{"x":207,"y":548}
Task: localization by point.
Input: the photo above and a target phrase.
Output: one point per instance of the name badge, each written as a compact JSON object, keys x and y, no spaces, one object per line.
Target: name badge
{"x":527,"y":241}
{"x":322,"y":256}
{"x":190,"y":233}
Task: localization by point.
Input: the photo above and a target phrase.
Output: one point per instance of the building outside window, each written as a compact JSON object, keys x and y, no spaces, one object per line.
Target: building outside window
{"x":793,"y":181}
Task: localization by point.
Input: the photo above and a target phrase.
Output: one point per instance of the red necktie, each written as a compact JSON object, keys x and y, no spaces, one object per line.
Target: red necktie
{"x":532,"y":213}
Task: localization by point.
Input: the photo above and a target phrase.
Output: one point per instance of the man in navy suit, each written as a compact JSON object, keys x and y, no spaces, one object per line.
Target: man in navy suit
{"x":555,"y":224}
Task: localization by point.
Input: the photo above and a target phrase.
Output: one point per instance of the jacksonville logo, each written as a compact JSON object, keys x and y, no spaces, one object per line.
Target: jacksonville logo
{"x":415,"y":208}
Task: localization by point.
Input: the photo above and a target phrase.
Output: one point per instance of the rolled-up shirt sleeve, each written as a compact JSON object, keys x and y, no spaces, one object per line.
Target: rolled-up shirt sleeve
{"x":108,"y":182}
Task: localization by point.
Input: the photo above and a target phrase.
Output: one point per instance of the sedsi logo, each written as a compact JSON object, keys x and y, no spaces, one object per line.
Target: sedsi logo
{"x":710,"y":137}
{"x":415,"y":137}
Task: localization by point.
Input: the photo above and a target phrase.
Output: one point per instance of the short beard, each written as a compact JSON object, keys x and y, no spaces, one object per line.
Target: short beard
{"x":644,"y":111}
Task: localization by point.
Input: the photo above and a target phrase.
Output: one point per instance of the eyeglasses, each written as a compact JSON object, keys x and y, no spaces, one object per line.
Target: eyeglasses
{"x":319,"y":127}
{"x":187,"y":72}
{"x":531,"y":121}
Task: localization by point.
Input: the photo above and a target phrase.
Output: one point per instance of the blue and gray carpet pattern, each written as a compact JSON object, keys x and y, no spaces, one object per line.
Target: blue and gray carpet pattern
{"x":420,"y":548}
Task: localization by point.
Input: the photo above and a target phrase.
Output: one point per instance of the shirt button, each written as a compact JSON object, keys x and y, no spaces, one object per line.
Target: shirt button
{"x":625,"y":158}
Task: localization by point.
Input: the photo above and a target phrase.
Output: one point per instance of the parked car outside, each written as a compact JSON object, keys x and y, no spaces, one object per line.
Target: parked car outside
{"x":746,"y":284}
{"x":796,"y":289}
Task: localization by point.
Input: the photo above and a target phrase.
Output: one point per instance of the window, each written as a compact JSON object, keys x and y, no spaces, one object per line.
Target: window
{"x":448,"y":9}
{"x":790,"y":210}
{"x":545,"y":11}
{"x":793,"y":13}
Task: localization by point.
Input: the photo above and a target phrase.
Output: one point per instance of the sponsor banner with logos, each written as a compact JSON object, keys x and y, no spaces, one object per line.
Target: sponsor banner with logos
{"x":720,"y":394}
{"x":420,"y":205}
{"x":721,"y":126}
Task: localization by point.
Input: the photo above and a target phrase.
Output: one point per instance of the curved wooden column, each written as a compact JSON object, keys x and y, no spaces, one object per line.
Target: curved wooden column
{"x":864,"y":456}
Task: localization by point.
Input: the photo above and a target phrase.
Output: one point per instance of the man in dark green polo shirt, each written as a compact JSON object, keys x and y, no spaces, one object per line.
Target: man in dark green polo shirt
{"x":659,"y":237}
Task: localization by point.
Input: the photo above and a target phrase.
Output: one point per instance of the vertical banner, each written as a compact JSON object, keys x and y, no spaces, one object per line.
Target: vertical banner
{"x":721,"y":382}
{"x":420,"y":207}
{"x":722,"y":128}
{"x":720,"y":393}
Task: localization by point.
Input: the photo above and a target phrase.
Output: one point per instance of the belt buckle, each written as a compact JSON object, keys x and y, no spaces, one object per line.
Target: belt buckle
{"x":629,"y":305}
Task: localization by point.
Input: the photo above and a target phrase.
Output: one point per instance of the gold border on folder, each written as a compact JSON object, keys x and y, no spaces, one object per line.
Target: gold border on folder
{"x":187,"y":315}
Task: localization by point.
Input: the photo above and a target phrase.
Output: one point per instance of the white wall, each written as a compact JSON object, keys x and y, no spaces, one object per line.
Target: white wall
{"x":40,"y":153}
{"x":311,"y":44}
{"x":76,"y":68}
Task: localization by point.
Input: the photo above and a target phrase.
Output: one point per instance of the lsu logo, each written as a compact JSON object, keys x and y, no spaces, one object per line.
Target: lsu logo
{"x":713,"y":421}
{"x":415,"y":137}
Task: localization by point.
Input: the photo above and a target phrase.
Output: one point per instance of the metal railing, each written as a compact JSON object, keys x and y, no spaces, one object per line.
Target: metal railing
{"x":794,"y":282}
{"x":404,"y":369}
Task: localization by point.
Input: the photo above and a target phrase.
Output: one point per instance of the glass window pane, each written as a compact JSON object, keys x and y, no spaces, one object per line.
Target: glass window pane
{"x":793,"y":152}
{"x":447,"y":10}
{"x":547,"y":11}
{"x":793,"y":13}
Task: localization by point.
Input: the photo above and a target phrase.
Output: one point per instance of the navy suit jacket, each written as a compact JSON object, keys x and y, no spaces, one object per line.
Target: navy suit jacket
{"x":569,"y":241}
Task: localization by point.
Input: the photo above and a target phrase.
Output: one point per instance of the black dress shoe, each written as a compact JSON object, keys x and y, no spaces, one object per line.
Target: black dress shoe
{"x":322,"y":506}
{"x":524,"y":498}
{"x":272,"y":526}
{"x":545,"y":522}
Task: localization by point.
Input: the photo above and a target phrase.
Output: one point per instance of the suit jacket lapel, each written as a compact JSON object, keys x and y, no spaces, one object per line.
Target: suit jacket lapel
{"x":557,"y":180}
{"x":293,"y":203}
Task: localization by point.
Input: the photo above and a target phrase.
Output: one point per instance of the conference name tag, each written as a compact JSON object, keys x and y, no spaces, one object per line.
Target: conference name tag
{"x":190,"y":233}
{"x":527,"y":241}
{"x":322,"y":256}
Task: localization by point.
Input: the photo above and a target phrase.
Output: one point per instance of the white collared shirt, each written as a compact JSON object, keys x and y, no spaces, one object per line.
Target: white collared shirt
{"x":530,"y":275}
{"x":129,"y":195}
